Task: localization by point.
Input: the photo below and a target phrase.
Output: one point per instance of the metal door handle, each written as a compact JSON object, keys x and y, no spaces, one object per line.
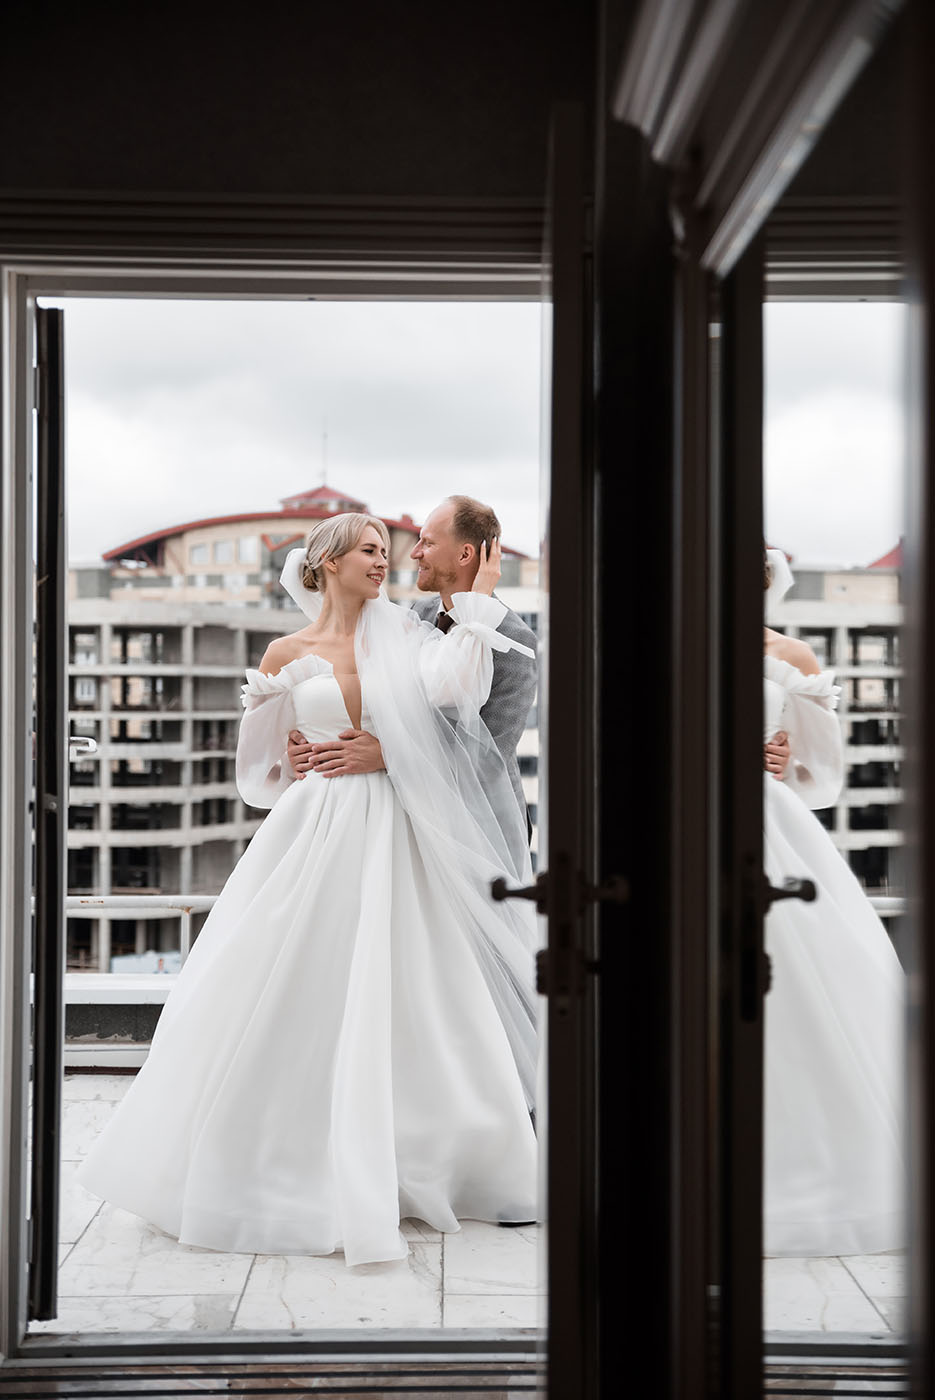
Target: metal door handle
{"x":80,"y":746}
{"x":500,"y":890}
{"x":615,"y":890}
{"x":791,"y":889}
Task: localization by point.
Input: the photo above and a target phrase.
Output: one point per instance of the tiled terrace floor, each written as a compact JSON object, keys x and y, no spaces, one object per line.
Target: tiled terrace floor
{"x":118,"y":1274}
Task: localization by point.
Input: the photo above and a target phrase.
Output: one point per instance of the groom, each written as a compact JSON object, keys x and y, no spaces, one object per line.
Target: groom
{"x":448,"y":554}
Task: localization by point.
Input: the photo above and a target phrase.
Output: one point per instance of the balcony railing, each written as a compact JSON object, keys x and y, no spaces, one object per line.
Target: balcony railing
{"x":184,"y":906}
{"x":121,"y":989}
{"x":153,"y":906}
{"x":102,"y":990}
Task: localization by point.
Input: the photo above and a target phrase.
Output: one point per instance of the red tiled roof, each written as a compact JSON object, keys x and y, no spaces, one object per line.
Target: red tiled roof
{"x":304,"y":511}
{"x":892,"y":560}
{"x":308,"y":513}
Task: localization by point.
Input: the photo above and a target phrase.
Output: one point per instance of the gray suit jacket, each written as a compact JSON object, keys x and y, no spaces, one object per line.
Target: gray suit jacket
{"x":512,"y":689}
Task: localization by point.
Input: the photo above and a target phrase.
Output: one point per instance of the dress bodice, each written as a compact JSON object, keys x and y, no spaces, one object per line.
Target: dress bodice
{"x":312,"y":693}
{"x":407,"y":669}
{"x":320,"y":711}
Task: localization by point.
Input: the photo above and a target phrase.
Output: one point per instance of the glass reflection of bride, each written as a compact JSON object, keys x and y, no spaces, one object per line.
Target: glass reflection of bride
{"x":352,"y":1038}
{"x":833,"y":1075}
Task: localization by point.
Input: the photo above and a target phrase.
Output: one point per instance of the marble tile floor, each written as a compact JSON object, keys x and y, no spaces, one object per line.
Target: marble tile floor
{"x":119,"y":1274}
{"x":856,"y":1294}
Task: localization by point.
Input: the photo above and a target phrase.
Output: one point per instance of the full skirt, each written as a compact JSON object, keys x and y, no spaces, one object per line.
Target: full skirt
{"x":330,"y":1060}
{"x":834,"y":1053}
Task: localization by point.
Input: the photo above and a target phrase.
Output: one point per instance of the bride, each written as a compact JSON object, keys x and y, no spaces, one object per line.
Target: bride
{"x":833,"y":1042}
{"x":352,"y":1039}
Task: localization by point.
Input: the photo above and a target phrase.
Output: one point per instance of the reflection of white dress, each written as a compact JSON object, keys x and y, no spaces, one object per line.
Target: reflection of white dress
{"x":833,"y":1161}
{"x":331,"y":1059}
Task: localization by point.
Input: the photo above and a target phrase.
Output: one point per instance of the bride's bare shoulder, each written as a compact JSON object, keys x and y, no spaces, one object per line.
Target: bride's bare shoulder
{"x":282,"y":650}
{"x":798,"y":653}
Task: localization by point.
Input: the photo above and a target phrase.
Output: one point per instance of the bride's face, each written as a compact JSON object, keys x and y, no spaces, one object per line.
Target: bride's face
{"x":361,"y":572}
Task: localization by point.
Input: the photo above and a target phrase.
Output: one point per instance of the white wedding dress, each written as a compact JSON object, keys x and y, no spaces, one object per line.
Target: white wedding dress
{"x":834,"y":1058}
{"x":331,"y":1059}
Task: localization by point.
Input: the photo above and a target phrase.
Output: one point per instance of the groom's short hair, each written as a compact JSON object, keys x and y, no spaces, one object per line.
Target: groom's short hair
{"x":473,"y":522}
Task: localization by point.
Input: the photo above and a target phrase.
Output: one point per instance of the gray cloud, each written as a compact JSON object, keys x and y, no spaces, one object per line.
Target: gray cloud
{"x":834,"y":443}
{"x":812,"y":346}
{"x":183,"y":409}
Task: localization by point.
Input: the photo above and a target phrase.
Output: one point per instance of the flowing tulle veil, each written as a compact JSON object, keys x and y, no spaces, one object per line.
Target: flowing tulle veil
{"x":780,"y":581}
{"x":453,"y":784}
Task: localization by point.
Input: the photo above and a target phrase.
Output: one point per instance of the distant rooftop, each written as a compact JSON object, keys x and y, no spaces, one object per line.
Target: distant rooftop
{"x":892,"y":560}
{"x":325,"y":498}
{"x":316,"y":504}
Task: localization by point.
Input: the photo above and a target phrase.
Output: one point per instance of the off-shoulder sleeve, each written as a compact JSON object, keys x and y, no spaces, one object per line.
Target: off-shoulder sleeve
{"x":816,"y":770}
{"x":262,"y":770}
{"x":459,"y":662}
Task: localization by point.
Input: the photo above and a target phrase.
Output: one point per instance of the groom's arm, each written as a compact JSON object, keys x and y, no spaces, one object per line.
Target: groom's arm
{"x":512,"y":690}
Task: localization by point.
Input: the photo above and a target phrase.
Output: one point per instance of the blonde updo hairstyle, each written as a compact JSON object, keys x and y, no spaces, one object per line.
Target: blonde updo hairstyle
{"x":333,"y":537}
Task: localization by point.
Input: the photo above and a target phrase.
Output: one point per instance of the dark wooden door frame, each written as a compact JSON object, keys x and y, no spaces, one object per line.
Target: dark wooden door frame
{"x":779,"y":71}
{"x":51,"y":801}
{"x":567,"y":734}
{"x":919,"y":686}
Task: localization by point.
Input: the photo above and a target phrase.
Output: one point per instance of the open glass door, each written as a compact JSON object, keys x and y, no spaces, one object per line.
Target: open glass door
{"x":34,"y":765}
{"x":738,"y":992}
{"x":811,"y":1120}
{"x":50,"y":808}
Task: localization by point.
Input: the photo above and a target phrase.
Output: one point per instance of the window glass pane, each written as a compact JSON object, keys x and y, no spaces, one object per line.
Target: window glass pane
{"x":834,"y":1078}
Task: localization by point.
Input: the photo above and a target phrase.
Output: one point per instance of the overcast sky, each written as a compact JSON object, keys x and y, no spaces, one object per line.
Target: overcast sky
{"x":179,"y":410}
{"x":834,"y":455}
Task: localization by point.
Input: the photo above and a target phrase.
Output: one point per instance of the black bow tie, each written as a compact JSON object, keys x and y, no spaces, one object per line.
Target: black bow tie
{"x":444,"y":621}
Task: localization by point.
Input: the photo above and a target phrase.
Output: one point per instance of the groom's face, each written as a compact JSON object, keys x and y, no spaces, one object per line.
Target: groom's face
{"x":436,"y":552}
